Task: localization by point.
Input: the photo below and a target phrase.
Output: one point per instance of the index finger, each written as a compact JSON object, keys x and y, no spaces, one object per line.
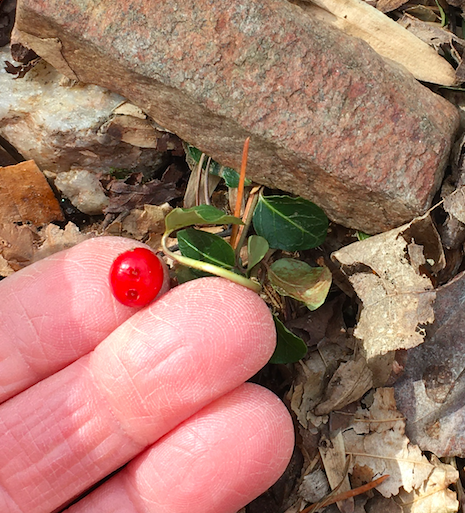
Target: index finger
{"x":57,"y":310}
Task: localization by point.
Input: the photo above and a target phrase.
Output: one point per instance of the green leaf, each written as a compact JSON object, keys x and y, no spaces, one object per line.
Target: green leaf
{"x":362,"y":235}
{"x":300,"y":281}
{"x":206,"y":247}
{"x":257,"y":247}
{"x":203,"y":214}
{"x":291,"y":224}
{"x":289,"y":347}
{"x":229,"y":175}
{"x":194,"y":153}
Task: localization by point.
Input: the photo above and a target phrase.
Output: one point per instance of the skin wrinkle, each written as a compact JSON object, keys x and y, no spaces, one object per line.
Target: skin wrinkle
{"x":197,"y":445}
{"x":24,"y":322}
{"x":79,"y":467}
{"x":49,"y":476}
{"x":108,"y":403}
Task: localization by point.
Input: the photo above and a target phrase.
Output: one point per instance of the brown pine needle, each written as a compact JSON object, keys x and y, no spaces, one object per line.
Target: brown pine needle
{"x":240,"y":192}
{"x":345,"y":495}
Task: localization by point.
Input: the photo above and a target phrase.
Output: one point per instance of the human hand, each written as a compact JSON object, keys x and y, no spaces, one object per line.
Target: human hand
{"x":92,"y":384}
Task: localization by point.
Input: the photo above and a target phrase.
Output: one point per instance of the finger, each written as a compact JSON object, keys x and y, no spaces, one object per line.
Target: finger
{"x":193,"y":345}
{"x":57,"y":310}
{"x":217,"y":461}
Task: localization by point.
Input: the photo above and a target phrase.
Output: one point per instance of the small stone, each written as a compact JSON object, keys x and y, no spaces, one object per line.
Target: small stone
{"x":84,"y":190}
{"x":329,"y":119}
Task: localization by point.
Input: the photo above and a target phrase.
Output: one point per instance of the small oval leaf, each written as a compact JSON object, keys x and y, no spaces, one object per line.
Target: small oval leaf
{"x":257,"y":247}
{"x":291,"y":224}
{"x":300,"y":281}
{"x":206,"y":247}
{"x":289,"y":347}
{"x":202,"y":214}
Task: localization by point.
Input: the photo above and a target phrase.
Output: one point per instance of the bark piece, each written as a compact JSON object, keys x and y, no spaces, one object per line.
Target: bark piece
{"x":329,"y":119}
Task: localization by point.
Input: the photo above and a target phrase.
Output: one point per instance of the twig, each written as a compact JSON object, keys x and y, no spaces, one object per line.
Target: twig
{"x":240,"y":191}
{"x":345,"y":495}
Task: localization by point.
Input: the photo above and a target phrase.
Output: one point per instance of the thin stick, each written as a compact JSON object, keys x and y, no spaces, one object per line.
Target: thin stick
{"x":240,"y":191}
{"x":345,"y":495}
{"x":199,"y":178}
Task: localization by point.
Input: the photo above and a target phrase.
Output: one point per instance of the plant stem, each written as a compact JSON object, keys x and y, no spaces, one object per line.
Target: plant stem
{"x":210,"y":268}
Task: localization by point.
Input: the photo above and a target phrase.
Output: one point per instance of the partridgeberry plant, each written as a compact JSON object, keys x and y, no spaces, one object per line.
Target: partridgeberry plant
{"x":281,"y":223}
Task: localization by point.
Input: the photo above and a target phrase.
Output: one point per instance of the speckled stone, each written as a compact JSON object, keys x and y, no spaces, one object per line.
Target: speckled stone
{"x":329,"y":119}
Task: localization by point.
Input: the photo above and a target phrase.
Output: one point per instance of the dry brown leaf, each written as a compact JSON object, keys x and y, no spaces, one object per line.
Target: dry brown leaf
{"x":314,"y":486}
{"x":25,"y":196}
{"x":377,"y":440}
{"x":147,"y":225}
{"x":56,"y":239}
{"x":333,"y":455}
{"x":393,"y":284}
{"x":431,"y":33}
{"x":385,"y":36}
{"x":132,"y":130}
{"x":434,"y":496}
{"x":454,"y":204}
{"x":389,"y":5}
{"x":127,"y":196}
{"x":5,"y":268}
{"x":308,"y":389}
{"x":348,"y":384}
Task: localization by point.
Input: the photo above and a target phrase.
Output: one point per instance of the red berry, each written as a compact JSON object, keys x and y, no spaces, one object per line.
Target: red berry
{"x":136,"y":277}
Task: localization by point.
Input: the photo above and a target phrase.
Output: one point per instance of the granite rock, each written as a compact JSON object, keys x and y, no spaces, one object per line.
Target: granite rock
{"x":329,"y":119}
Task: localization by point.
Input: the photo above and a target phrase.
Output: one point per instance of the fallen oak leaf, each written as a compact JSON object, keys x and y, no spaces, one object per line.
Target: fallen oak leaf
{"x":349,"y":383}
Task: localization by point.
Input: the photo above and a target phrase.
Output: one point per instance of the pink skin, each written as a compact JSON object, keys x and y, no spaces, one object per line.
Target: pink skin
{"x":162,"y":386}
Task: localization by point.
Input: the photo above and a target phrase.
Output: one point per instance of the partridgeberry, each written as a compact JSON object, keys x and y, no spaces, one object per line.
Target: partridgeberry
{"x":136,"y":277}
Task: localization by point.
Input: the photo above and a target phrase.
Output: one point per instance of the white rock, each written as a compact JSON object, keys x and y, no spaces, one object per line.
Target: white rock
{"x":58,"y":126}
{"x":83,"y":189}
